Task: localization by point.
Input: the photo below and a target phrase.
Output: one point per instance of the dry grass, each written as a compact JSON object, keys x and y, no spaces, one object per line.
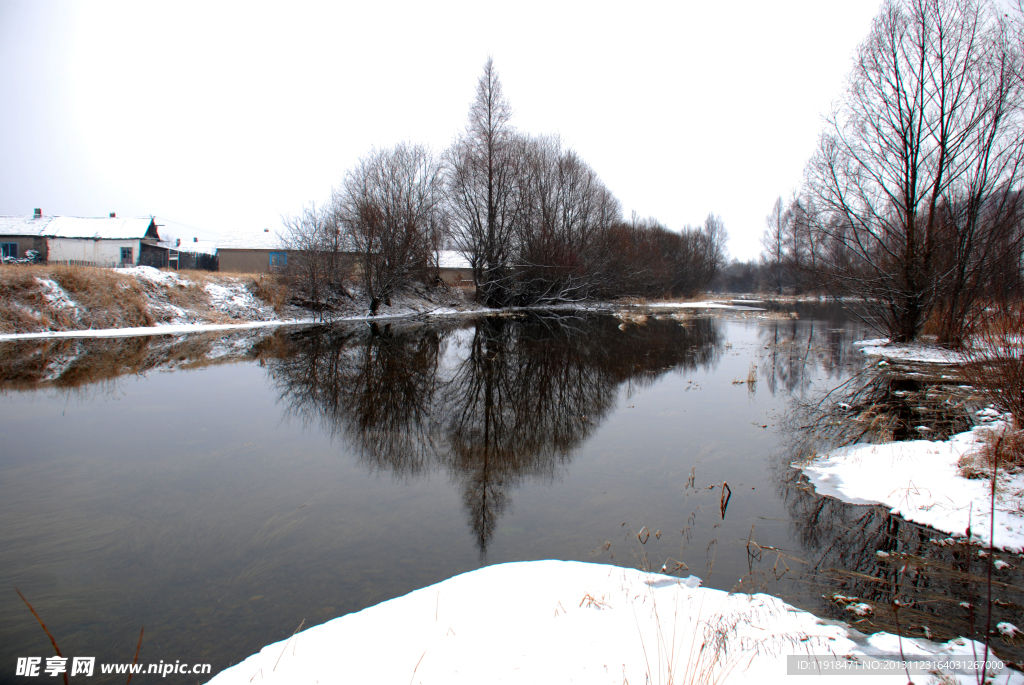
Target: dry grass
{"x":104,"y":298}
{"x":995,"y":359}
{"x":979,"y":463}
{"x":271,"y":289}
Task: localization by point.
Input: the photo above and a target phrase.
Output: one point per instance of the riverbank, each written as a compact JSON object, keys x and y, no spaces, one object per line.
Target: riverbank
{"x":83,"y":302}
{"x":924,"y":481}
{"x":560,"y":621}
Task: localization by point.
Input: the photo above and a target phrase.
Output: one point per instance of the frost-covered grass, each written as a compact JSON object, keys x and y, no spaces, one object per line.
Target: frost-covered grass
{"x":562,"y":622}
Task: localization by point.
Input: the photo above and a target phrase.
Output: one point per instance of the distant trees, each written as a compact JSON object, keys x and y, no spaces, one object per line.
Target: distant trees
{"x":535,"y":222}
{"x":916,"y":181}
{"x":539,"y":226}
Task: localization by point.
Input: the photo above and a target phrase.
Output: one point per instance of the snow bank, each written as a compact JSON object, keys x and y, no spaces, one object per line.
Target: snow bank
{"x":920,"y":481}
{"x":148,"y":273}
{"x":880,"y":347}
{"x":561,"y":622}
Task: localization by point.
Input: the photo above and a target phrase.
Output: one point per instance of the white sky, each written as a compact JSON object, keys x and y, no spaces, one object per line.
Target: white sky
{"x":226,"y":116}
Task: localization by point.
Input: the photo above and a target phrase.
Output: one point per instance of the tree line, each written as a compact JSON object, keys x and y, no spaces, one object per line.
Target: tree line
{"x":533,"y":220}
{"x":912,"y":199}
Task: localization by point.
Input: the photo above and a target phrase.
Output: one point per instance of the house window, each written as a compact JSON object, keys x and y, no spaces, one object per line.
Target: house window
{"x":9,"y":250}
{"x":126,"y":255}
{"x":278,"y":259}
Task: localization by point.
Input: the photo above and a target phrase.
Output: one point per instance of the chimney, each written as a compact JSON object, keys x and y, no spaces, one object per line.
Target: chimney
{"x":195,"y":240}
{"x":178,"y":244}
{"x":113,"y":215}
{"x":38,"y":214}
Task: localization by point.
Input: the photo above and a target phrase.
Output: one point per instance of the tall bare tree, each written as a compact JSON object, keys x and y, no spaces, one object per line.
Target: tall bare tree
{"x":483,"y":185}
{"x":928,"y":133}
{"x":774,"y":242}
{"x":390,"y":208}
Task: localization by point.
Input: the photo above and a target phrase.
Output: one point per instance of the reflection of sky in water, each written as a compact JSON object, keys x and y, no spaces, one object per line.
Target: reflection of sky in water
{"x":221,"y":506}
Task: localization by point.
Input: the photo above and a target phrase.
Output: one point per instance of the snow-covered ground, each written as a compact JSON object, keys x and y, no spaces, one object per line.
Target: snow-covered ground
{"x":573,"y":622}
{"x":921,"y":481}
{"x":916,"y":352}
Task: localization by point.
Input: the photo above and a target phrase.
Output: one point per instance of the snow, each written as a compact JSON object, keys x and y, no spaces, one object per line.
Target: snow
{"x":861,"y":609}
{"x":706,"y":304}
{"x":55,"y":295}
{"x":564,"y":621}
{"x":452,"y":259}
{"x":236,"y":300}
{"x":109,"y":228}
{"x":923,"y":484}
{"x":880,"y":347}
{"x":1008,"y":629}
{"x":24,"y":225}
{"x":148,"y":273}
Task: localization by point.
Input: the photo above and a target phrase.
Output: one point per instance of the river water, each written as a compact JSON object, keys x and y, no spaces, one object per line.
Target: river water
{"x":219,"y":490}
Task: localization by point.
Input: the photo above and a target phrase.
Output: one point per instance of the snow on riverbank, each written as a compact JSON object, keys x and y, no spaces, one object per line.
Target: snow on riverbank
{"x":928,"y":354}
{"x":561,"y":622}
{"x":920,"y":481}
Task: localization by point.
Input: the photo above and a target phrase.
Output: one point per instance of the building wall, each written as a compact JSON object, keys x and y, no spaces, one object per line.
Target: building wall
{"x":456,"y":276}
{"x":100,"y":252}
{"x":245,"y":261}
{"x":26,"y":243}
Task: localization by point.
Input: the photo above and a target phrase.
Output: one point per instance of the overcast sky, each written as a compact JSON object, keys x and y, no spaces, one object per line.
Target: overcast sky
{"x":224,"y":117}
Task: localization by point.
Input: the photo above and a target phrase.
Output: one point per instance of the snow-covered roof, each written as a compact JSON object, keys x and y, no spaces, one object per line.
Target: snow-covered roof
{"x":112,"y":228}
{"x":452,"y":259}
{"x":194,"y":246}
{"x":23,"y":225}
{"x":250,"y":240}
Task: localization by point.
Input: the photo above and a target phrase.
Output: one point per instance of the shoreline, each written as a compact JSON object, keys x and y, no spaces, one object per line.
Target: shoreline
{"x":179,"y":329}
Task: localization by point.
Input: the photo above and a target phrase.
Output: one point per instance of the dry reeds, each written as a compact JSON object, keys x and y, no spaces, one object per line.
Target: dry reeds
{"x":994,"y":359}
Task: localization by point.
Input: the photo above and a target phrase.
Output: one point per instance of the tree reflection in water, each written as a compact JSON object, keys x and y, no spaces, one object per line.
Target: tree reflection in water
{"x":491,"y":403}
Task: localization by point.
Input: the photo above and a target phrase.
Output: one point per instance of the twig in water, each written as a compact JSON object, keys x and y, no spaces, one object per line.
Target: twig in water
{"x":723,"y":503}
{"x":45,"y":629}
{"x":136,"y":659}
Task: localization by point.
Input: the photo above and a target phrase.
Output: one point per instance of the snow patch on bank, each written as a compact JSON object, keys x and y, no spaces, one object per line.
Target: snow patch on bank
{"x":920,"y":480}
{"x":55,"y":295}
{"x":156,"y":276}
{"x":927,"y":354}
{"x":560,"y":622}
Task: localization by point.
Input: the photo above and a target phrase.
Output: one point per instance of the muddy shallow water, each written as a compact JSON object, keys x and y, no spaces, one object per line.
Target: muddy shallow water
{"x":219,"y":490}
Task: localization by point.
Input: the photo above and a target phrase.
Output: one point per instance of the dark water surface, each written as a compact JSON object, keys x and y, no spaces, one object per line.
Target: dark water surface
{"x":219,"y":490}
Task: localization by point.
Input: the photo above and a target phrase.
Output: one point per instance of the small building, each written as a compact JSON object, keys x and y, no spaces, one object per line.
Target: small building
{"x":108,"y":241}
{"x":104,"y":241}
{"x":252,"y":252}
{"x":453,"y":268}
{"x":20,"y":234}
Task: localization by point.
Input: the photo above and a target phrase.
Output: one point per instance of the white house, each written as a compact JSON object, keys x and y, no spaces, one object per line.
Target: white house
{"x":105,"y":241}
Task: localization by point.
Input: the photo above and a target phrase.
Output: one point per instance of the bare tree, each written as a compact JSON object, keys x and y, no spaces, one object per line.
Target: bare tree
{"x":775,"y":243}
{"x":317,"y":261}
{"x":390,"y":208}
{"x":929,"y":130}
{"x":483,"y":187}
